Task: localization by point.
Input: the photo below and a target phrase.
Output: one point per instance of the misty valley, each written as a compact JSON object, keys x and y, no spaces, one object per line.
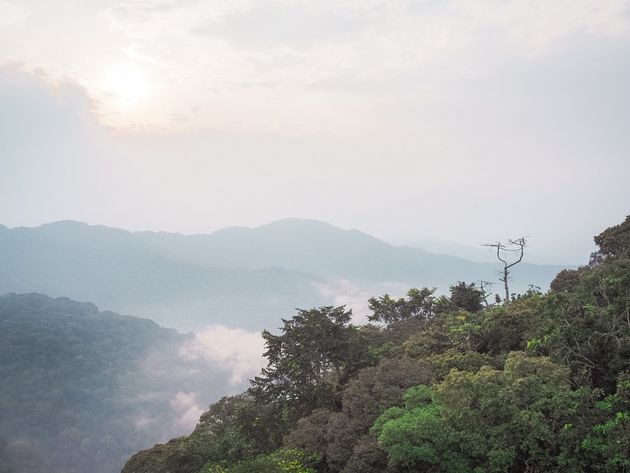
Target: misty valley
{"x":279,"y":349}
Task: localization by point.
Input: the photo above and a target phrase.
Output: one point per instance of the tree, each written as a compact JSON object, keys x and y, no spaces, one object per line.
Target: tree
{"x":566,"y":280}
{"x":526,"y":418}
{"x":416,"y":438}
{"x":336,"y":436}
{"x":608,"y":440}
{"x":419,"y":305}
{"x":614,"y":242}
{"x":504,"y":251}
{"x":507,"y":328}
{"x":588,"y":326}
{"x":467,"y":296}
{"x":306,"y":362}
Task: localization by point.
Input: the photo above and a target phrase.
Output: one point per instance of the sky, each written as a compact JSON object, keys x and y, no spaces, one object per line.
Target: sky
{"x":468,"y":121}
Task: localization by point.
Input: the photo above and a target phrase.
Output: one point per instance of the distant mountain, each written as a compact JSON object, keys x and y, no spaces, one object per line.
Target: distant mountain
{"x":81,"y":389}
{"x":320,"y":248}
{"x":445,"y":247}
{"x":246,"y":277}
{"x":119,"y":271}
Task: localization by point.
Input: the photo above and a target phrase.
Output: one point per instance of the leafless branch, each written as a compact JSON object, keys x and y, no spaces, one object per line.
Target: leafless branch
{"x":516,"y":246}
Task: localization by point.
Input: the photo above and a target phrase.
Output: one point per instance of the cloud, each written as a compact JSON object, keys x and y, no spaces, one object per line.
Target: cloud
{"x":12,"y":13}
{"x":185,"y":406}
{"x":344,"y":292}
{"x":554,"y":122}
{"x":234,"y":350}
{"x":355,"y":295}
{"x":144,"y":422}
{"x":293,"y":67}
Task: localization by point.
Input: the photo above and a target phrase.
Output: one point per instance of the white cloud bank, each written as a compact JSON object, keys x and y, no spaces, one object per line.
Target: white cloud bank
{"x":355,"y":296}
{"x":235,"y":350}
{"x":187,"y":409}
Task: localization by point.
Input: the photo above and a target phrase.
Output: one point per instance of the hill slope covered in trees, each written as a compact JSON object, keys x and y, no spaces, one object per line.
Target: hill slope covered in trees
{"x":440,"y":384}
{"x":81,"y":389}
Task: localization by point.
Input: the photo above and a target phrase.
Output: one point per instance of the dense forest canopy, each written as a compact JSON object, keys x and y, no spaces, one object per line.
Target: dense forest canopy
{"x":538,"y":383}
{"x":81,"y":389}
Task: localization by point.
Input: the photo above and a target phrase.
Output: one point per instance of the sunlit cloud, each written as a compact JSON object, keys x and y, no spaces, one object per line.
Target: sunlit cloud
{"x":396,"y":108}
{"x":125,"y":84}
{"x":285,"y":67}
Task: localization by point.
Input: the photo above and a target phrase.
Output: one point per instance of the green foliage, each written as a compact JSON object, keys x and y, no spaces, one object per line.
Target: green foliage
{"x":340,"y":437}
{"x":432,"y":340}
{"x":443,"y":384}
{"x":467,"y":297}
{"x":420,"y":305}
{"x":231,"y":430}
{"x":416,"y":436}
{"x":614,"y":242}
{"x":490,"y":420}
{"x":180,"y":455}
{"x":507,"y":328}
{"x":281,"y":461}
{"x":608,"y":440}
{"x":566,"y":280}
{"x":472,"y":361}
{"x":71,"y":379}
{"x":588,"y":327}
{"x":463,"y":329}
{"x":307,"y":361}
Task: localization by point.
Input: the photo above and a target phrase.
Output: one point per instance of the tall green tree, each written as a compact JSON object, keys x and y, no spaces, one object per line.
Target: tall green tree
{"x":614,"y":242}
{"x":307,"y":361}
{"x":468,"y":297}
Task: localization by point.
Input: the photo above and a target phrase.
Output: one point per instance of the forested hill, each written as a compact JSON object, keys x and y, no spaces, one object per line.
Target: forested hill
{"x":239,"y":277}
{"x":540,"y":383}
{"x":81,"y":389}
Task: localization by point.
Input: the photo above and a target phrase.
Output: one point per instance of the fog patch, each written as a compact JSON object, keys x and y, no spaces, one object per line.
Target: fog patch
{"x":355,"y":295}
{"x":235,"y":350}
{"x":187,"y":409}
{"x":143,"y":422}
{"x":345,"y":292}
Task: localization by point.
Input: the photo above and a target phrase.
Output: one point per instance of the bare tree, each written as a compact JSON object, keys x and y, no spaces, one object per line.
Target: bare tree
{"x":514,"y":249}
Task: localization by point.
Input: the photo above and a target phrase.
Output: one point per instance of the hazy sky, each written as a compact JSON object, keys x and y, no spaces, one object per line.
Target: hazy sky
{"x":466,"y":120}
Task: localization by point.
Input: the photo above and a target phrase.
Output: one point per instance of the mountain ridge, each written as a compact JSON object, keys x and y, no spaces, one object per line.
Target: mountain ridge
{"x":244,"y":277}
{"x":238,"y":230}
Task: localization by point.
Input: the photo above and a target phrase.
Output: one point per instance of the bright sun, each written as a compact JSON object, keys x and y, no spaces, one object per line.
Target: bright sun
{"x":125,"y":83}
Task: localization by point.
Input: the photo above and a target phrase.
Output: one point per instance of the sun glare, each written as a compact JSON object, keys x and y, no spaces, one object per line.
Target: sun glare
{"x":127,"y":84}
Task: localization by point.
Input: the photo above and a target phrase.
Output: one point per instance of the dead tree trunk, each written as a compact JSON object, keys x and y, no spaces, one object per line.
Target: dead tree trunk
{"x":515,"y":247}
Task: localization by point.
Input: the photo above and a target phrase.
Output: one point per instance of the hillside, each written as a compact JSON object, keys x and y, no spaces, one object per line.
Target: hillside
{"x":540,"y":383}
{"x":237,"y":276}
{"x":81,"y":389}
